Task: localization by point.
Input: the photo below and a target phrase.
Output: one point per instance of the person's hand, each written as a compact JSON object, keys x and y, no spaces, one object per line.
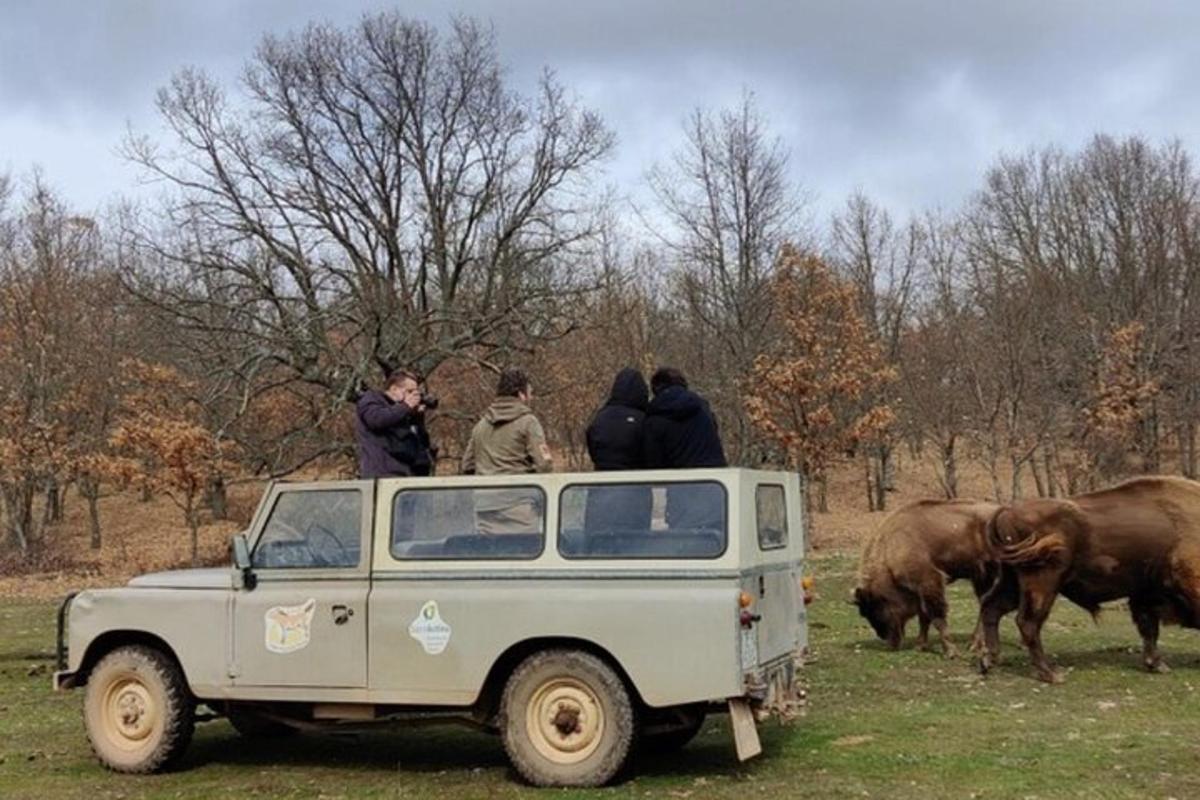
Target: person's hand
{"x":412,"y":399}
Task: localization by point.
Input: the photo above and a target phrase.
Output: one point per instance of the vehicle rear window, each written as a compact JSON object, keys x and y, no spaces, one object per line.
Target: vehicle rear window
{"x":311,"y":529}
{"x":770,"y":510}
{"x":469,"y":523}
{"x":643,"y":520}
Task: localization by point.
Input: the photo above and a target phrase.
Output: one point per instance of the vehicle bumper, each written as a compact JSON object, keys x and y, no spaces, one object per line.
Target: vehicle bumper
{"x":774,"y":688}
{"x":63,"y":680}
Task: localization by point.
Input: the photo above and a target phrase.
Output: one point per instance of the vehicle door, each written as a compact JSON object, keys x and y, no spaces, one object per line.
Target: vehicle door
{"x":773,"y":567}
{"x":304,"y":622}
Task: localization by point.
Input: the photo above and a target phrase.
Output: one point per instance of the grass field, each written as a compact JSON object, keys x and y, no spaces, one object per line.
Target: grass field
{"x":879,"y":724}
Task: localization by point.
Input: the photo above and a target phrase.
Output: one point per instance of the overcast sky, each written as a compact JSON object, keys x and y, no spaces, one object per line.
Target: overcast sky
{"x":907,"y":101}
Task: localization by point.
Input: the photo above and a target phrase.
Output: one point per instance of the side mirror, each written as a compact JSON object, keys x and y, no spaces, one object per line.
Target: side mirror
{"x":241,"y":560}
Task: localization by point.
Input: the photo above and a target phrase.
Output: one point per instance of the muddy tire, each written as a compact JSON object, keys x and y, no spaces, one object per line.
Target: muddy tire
{"x":137,"y":710}
{"x":252,"y":725}
{"x":676,"y":738}
{"x":566,"y":719}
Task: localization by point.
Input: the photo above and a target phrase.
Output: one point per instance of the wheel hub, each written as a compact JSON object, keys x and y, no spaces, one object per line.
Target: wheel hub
{"x":131,"y":711}
{"x":565,"y":720}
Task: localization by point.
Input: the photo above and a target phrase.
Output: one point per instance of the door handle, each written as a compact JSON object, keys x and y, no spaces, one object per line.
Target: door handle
{"x":341,"y":614}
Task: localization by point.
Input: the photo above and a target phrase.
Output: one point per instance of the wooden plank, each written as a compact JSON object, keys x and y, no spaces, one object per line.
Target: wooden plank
{"x":745,"y":732}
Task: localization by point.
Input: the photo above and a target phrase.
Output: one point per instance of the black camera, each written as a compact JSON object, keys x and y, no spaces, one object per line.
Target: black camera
{"x":430,"y":401}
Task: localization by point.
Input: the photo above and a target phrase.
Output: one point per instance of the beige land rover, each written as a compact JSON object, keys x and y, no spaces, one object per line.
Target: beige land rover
{"x":577,"y":615}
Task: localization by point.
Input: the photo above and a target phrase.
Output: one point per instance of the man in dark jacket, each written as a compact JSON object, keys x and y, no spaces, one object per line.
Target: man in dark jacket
{"x":681,"y":433}
{"x":616,"y":440}
{"x":390,"y":426}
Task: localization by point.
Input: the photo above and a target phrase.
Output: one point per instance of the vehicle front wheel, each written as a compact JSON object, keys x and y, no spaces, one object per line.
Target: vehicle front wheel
{"x":137,"y":710}
{"x":567,"y":719}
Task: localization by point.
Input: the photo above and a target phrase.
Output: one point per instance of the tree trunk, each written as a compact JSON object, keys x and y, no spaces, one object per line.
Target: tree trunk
{"x":1038,"y":480}
{"x":823,"y":495}
{"x":949,"y":469}
{"x":218,"y":498}
{"x":994,"y":472}
{"x":1187,"y":449}
{"x":18,"y":505}
{"x":146,"y":495}
{"x":1017,"y":464}
{"x":193,"y":524}
{"x":867,"y":483}
{"x":1153,"y":457}
{"x":90,"y":489}
{"x":1048,"y":467}
{"x":53,"y":511}
{"x":887,"y":461}
{"x":881,"y":481}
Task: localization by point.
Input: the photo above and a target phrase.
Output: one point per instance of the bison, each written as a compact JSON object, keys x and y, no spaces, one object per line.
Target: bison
{"x":910,"y":558}
{"x":1138,"y":540}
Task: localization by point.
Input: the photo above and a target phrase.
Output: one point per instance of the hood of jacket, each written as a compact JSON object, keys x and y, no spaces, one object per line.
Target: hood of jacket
{"x":629,"y":389}
{"x":506,"y":409}
{"x":676,"y":402}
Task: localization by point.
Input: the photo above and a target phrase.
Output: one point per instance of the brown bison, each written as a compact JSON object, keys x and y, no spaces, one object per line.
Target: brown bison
{"x":908,"y":561}
{"x":1138,"y":540}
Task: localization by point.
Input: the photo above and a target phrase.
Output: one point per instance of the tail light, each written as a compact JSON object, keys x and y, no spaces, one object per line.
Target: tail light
{"x":747,"y":616}
{"x":806,"y":587}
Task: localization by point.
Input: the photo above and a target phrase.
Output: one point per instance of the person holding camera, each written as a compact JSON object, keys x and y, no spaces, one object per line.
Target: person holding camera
{"x":390,"y":427}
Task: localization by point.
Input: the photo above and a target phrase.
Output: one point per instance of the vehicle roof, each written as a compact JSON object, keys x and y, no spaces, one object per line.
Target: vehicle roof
{"x":722,"y":474}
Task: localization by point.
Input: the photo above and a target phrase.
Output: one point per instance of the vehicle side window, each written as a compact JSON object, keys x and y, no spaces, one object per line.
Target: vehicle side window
{"x":484,"y":523}
{"x":312,"y":529}
{"x":770,"y":511}
{"x":644,"y":520}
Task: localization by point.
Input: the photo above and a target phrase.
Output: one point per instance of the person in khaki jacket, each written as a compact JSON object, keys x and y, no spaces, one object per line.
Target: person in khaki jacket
{"x":508,"y":440}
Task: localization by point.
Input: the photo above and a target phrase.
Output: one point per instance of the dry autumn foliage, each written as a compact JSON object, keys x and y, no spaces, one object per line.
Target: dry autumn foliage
{"x":807,"y":393}
{"x":159,"y":446}
{"x":1121,"y":399}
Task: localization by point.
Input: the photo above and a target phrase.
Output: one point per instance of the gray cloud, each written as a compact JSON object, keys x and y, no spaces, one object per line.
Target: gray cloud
{"x":909,"y":101}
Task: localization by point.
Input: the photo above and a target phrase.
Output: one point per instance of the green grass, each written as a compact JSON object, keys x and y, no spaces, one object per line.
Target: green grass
{"x":879,"y":724}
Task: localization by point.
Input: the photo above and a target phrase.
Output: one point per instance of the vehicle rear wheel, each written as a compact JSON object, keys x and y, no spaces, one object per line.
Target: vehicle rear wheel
{"x":137,"y":710}
{"x":674,"y":735}
{"x":253,"y":725}
{"x":566,"y":719}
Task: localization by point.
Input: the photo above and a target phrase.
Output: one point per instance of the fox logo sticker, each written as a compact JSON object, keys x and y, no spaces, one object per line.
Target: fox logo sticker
{"x":289,"y":628}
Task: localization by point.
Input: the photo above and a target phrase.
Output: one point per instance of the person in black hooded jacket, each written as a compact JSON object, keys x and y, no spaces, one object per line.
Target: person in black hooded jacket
{"x":681,"y":433}
{"x":615,"y":441}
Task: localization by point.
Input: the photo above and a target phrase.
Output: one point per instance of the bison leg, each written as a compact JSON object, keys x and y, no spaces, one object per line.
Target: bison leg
{"x":1146,"y":620}
{"x":933,"y":609}
{"x":1038,"y":592}
{"x":1000,"y":599}
{"x":896,"y":636}
{"x":922,"y":631}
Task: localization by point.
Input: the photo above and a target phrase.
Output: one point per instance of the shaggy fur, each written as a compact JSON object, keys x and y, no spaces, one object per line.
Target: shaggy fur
{"x":907,"y":562}
{"x":1138,"y":540}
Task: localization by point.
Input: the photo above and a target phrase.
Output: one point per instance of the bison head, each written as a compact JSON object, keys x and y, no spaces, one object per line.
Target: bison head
{"x":886,"y":616}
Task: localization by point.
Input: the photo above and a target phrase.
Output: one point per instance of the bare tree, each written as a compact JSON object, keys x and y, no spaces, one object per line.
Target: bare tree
{"x":48,"y":283}
{"x":375,"y":197}
{"x":729,"y":208}
{"x":881,"y":262}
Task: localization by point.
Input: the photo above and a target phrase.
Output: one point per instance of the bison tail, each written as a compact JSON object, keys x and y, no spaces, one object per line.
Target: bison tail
{"x":1032,"y":551}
